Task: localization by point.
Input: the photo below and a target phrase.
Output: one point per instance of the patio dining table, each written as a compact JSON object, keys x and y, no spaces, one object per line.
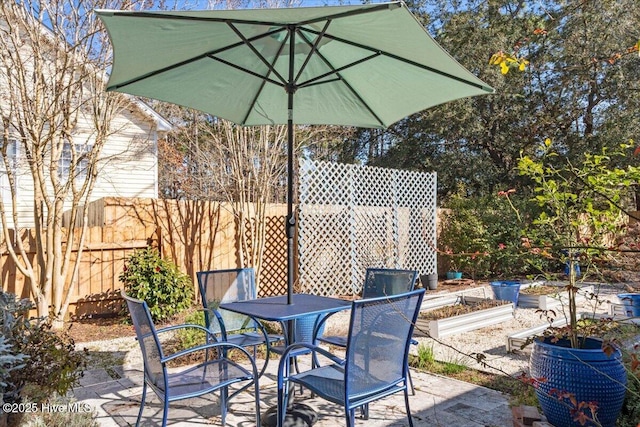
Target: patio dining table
{"x":277,"y":309}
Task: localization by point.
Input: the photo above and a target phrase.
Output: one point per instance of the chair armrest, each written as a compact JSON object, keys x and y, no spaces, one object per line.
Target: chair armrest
{"x":176,"y":327}
{"x":205,"y":347}
{"x":208,"y":346}
{"x":183,"y":326}
{"x":318,"y":327}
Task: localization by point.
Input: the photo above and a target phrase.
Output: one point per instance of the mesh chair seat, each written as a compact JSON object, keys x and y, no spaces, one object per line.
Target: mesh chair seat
{"x":328,"y":382}
{"x":251,"y":339}
{"x":204,"y":378}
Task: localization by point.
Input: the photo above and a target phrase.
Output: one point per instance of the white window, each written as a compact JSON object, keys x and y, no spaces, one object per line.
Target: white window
{"x":82,"y":152}
{"x":12,"y":155}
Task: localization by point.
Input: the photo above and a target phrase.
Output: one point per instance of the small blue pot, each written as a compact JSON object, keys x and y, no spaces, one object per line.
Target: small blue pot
{"x":506,"y":290}
{"x":631,"y":304}
{"x":454,"y":275}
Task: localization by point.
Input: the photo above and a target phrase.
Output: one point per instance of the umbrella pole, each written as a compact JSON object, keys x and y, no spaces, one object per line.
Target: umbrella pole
{"x":291,"y":218}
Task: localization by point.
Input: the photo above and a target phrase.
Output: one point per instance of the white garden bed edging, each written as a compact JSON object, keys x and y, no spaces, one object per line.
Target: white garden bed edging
{"x":516,"y":341}
{"x":464,"y":322}
{"x":547,"y":302}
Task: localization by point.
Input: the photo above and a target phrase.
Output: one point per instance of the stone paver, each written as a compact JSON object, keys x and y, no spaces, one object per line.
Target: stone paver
{"x":438,"y":401}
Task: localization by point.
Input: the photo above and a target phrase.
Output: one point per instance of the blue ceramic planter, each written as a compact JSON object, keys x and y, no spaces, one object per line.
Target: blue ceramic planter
{"x":588,"y":373}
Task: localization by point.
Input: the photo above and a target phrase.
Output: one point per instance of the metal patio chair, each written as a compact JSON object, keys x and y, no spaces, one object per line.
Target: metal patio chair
{"x":375,"y":365}
{"x":215,"y":373}
{"x":223,"y":286}
{"x":378,"y":282}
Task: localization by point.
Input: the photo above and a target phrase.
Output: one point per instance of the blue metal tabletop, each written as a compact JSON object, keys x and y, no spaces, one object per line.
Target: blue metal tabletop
{"x":276,"y":308}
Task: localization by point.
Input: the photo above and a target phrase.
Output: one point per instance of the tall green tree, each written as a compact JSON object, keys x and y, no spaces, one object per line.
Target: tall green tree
{"x":580,"y":87}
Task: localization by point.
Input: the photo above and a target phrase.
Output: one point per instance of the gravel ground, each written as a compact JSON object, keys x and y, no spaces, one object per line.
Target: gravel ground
{"x":491,"y":341}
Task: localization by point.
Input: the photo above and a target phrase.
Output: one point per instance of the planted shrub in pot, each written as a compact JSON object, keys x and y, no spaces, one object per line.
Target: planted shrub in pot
{"x":580,"y":378}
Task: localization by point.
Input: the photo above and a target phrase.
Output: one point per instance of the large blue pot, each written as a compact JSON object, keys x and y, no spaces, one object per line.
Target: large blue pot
{"x":588,"y":373}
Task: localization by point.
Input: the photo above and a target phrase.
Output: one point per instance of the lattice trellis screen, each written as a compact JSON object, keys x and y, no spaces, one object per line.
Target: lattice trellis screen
{"x":353,"y":217}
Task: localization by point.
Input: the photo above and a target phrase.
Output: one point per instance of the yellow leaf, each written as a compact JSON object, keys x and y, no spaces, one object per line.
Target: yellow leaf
{"x":547,"y":142}
{"x":504,"y":68}
{"x":523,"y":64}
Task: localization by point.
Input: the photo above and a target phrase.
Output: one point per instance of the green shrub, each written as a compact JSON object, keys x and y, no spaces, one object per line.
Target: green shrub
{"x":482,"y":236}
{"x":191,"y":337}
{"x":166,"y":290}
{"x":51,"y":363}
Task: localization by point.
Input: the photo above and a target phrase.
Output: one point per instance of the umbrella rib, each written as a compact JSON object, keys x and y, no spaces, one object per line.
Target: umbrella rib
{"x":316,"y":80}
{"x":246,"y":70}
{"x":405,"y":60}
{"x":210,"y":54}
{"x":264,"y":81}
{"x":314,"y":46}
{"x":336,"y":71}
{"x":249,"y":44}
{"x":347,"y":14}
{"x":156,"y":72}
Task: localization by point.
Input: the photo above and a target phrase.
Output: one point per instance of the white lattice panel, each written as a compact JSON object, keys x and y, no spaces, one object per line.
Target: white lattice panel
{"x":353,"y":217}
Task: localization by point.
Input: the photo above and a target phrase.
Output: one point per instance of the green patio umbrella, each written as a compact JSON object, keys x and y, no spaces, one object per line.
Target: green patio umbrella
{"x":368,"y":66}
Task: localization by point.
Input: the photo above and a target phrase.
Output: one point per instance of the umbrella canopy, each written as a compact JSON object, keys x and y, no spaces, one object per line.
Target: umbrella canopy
{"x":368,"y":66}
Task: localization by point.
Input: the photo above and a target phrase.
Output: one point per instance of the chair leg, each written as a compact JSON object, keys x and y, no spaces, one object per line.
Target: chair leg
{"x":266,"y":359}
{"x":165,"y":411}
{"x":351,"y":417}
{"x":364,"y":411}
{"x":406,"y":405}
{"x":144,"y":396}
{"x":224,"y":394}
{"x":282,"y":403}
{"x":256,"y":393}
{"x":413,"y":390}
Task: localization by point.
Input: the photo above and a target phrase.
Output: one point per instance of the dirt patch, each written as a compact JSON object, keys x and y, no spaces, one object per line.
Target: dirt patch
{"x":97,"y":329}
{"x":460,"y":309}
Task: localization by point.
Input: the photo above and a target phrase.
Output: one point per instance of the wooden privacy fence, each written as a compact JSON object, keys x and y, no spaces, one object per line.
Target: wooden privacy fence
{"x":194,"y":235}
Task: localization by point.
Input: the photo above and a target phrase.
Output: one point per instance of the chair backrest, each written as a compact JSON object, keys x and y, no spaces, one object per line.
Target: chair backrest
{"x":378,"y":344}
{"x":148,"y":340}
{"x":379,"y":282}
{"x":222,"y":286}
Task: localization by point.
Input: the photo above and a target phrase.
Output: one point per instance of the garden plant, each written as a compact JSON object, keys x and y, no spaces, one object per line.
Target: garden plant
{"x":38,"y":364}
{"x":166,"y":290}
{"x":583,"y":209}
